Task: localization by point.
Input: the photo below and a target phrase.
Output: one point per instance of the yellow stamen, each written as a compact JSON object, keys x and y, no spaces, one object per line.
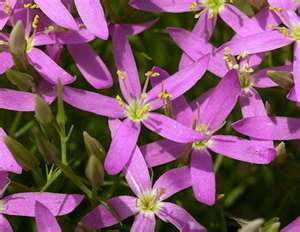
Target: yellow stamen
{"x":194,"y":6}
{"x":152,"y":74}
{"x":121,"y":75}
{"x":120,"y":101}
{"x":276,"y":8}
{"x":6,"y":7}
{"x":164,"y":95}
{"x":49,"y":29}
{"x":35,"y":22}
{"x":228,"y":58}
{"x":31,"y":6}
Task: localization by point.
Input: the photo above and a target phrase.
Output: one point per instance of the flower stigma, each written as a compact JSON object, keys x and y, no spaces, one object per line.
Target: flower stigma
{"x":149,"y":202}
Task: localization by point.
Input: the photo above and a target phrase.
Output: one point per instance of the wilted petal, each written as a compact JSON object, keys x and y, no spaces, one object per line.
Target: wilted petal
{"x":221,"y":101}
{"x":143,"y":223}
{"x":173,"y":181}
{"x":45,"y":220}
{"x":92,"y":102}
{"x":162,"y":5}
{"x":100,"y":217}
{"x":4,"y":224}
{"x":91,"y":65}
{"x":57,"y":12}
{"x":180,"y":218}
{"x":47,"y":68}
{"x":171,"y":129}
{"x":269,"y":128}
{"x":203,"y":177}
{"x":122,"y":146}
{"x":23,"y":204}
{"x":93,"y":17}
{"x":161,"y":152}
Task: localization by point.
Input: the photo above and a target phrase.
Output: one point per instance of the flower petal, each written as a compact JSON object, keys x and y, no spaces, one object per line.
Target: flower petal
{"x":173,"y":181}
{"x":3,"y":16}
{"x":91,"y":66}
{"x":6,"y":61}
{"x":221,"y":101}
{"x":269,"y":128}
{"x":180,"y":218}
{"x":23,"y":204}
{"x":57,"y":12}
{"x":45,"y":220}
{"x":296,"y":71}
{"x":162,"y":5}
{"x":122,"y":146}
{"x":4,"y":224}
{"x":171,"y":129}
{"x":293,"y":226}
{"x":203,"y":177}
{"x":100,"y":217}
{"x":47,"y":68}
{"x":143,"y":223}
{"x":249,"y":151}
{"x":92,"y":102}
{"x":93,"y":17}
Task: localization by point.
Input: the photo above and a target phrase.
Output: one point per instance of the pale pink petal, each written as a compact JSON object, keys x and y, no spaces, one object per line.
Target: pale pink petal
{"x":4,"y":224}
{"x":143,"y":223}
{"x":6,"y":61}
{"x":293,"y":226}
{"x":45,"y":220}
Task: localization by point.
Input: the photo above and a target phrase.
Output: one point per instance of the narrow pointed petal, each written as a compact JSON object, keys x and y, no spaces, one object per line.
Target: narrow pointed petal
{"x":45,"y":220}
{"x":4,"y":224}
{"x":124,"y":59}
{"x":47,"y":68}
{"x":205,"y":26}
{"x":4,"y":182}
{"x":93,"y":17}
{"x":122,"y":146}
{"x":23,"y":204}
{"x":180,"y":218}
{"x":162,"y":152}
{"x":92,"y":102}
{"x":179,"y":83}
{"x":163,"y":75}
{"x":143,"y":223}
{"x":91,"y":66}
{"x":57,"y":12}
{"x":137,"y":174}
{"x":7,"y":160}
{"x":222,"y":101}
{"x":183,"y":112}
{"x":242,"y":149}
{"x":203,"y":177}
{"x":252,"y":104}
{"x":3,"y":16}
{"x":293,"y":226}
{"x":173,"y":181}
{"x":101,"y":217}
{"x":296,"y":71}
{"x":200,"y":102}
{"x":6,"y":61}
{"x":264,"y":18}
{"x":162,"y":5}
{"x":269,"y":128}
{"x":257,"y":43}
{"x":136,"y":28}
{"x":171,"y":129}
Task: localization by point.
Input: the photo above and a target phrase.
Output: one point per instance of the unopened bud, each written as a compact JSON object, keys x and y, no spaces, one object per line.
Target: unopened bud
{"x":24,"y":157}
{"x":94,"y":171}
{"x":282,"y":78}
{"x":22,"y":81}
{"x":93,"y":146}
{"x":43,"y":111}
{"x":251,"y":226}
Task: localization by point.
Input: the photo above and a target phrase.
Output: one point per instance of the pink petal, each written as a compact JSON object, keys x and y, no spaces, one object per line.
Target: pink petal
{"x":23,"y":204}
{"x":100,"y":217}
{"x":92,"y":102}
{"x":6,"y":61}
{"x":122,"y":146}
{"x":4,"y":224}
{"x":136,"y":28}
{"x":163,"y":75}
{"x":171,"y":129}
{"x":7,"y":160}
{"x":45,"y":220}
{"x":143,"y":223}
{"x":4,"y":182}
{"x":162,"y":5}
{"x":182,"y":112}
{"x":173,"y":181}
{"x":296,"y":71}
{"x":47,"y":68}
{"x":91,"y":66}
{"x":3,"y":16}
{"x":293,"y":226}
{"x":180,"y":218}
{"x":203,"y":177}
{"x":250,"y":151}
{"x":269,"y":128}
{"x":57,"y":12}
{"x":93,"y":17}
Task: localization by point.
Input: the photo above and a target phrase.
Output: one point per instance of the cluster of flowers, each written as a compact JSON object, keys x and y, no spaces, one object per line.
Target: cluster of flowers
{"x":189,"y":130}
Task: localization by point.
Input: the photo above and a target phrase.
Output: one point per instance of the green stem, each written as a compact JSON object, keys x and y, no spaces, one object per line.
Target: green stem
{"x":24,"y":129}
{"x":51,"y":180}
{"x":15,"y":123}
{"x":218,"y":163}
{"x":63,"y":146}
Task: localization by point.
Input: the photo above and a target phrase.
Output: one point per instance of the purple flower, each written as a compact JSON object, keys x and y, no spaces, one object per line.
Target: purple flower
{"x":293,"y":226}
{"x":138,"y":104}
{"x":24,"y":204}
{"x":149,"y":201}
{"x":207,"y":115}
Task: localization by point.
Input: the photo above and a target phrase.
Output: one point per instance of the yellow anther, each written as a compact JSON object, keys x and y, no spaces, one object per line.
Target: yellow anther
{"x":121,"y":75}
{"x":152,"y":74}
{"x":120,"y":101}
{"x":246,"y":68}
{"x":284,"y":31}
{"x":31,"y":6}
{"x":35,"y":22}
{"x":49,"y":29}
{"x":276,"y":8}
{"x":7,"y":7}
{"x":164,"y":95}
{"x":243,"y":55}
{"x":145,"y":109}
{"x":228,"y":58}
{"x":194,"y":6}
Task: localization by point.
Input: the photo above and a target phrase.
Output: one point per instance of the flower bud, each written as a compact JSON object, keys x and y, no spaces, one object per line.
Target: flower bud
{"x":94,"y":171}
{"x":22,"y":81}
{"x":283,"y":79}
{"x":93,"y":146}
{"x":24,"y":157}
{"x":252,"y":226}
{"x":43,"y":111}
